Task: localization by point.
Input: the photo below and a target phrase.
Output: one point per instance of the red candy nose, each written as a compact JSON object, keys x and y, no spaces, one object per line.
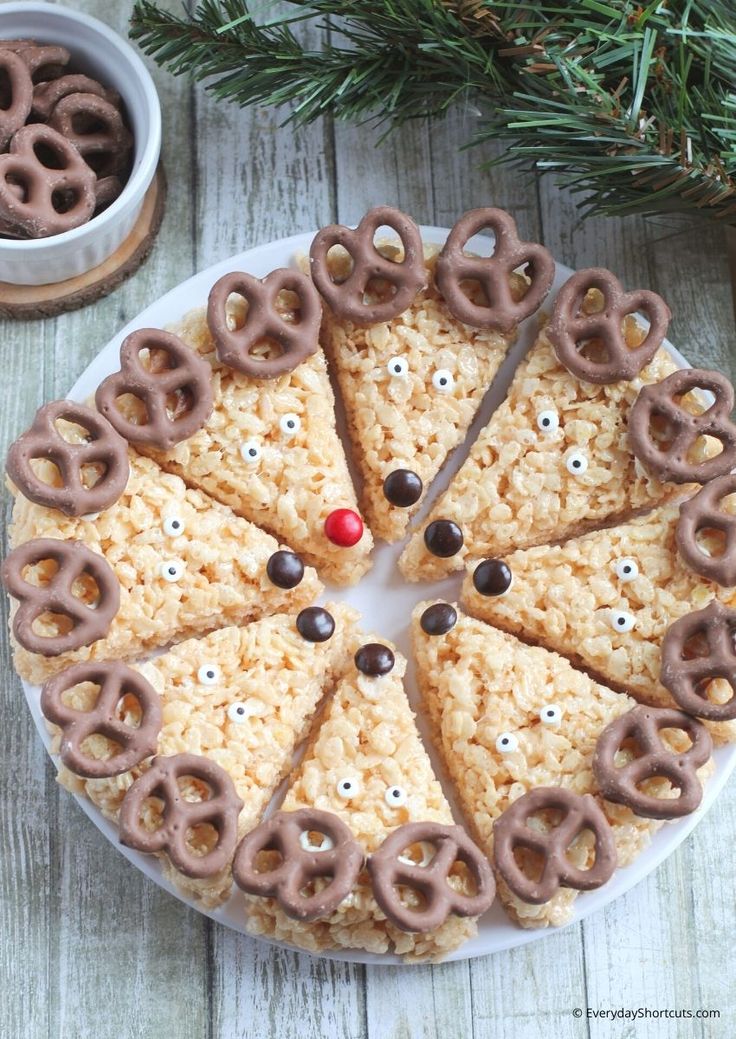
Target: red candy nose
{"x":344,"y":527}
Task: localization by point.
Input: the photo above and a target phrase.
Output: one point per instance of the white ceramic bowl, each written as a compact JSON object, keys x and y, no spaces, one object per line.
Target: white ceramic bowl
{"x":104,"y":55}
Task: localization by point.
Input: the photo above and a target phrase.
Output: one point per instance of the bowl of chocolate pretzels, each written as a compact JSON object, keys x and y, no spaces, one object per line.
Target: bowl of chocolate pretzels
{"x":80,"y":138}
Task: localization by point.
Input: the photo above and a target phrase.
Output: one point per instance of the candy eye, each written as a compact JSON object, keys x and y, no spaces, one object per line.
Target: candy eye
{"x":307,"y":844}
{"x":507,"y":743}
{"x":626,"y":569}
{"x":443,"y":380}
{"x":209,"y":674}
{"x":290,"y":424}
{"x":621,"y":620}
{"x":577,"y":463}
{"x":250,"y":451}
{"x":347,"y":787}
{"x":550,"y":714}
{"x":395,"y":796}
{"x":173,"y":526}
{"x":398,"y":367}
{"x":548,"y":421}
{"x":238,"y":712}
{"x":172,"y":570}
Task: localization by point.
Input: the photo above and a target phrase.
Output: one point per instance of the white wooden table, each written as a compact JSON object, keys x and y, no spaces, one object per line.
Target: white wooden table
{"x":88,"y":947}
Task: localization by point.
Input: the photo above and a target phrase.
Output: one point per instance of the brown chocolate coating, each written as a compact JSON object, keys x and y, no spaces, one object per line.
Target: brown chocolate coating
{"x":388,"y":869}
{"x":116,"y":681}
{"x":501,"y":311}
{"x":642,"y":726}
{"x":46,"y":96}
{"x":188,"y":378}
{"x":569,"y":328}
{"x":282,"y":833}
{"x":699,"y":513}
{"x":403,"y":488}
{"x":44,"y":61}
{"x":438,"y":619}
{"x":346,"y":298}
{"x":20,"y":87}
{"x":687,"y":678}
{"x":220,"y":810}
{"x":73,"y":559}
{"x":443,"y":538}
{"x":511,"y":830}
{"x":46,"y":188}
{"x":374,"y":660}
{"x":104,"y":448}
{"x":285,"y":569}
{"x":661,"y":400}
{"x":315,"y":624}
{"x":95,"y":128}
{"x":492,"y":577}
{"x":297,"y":339}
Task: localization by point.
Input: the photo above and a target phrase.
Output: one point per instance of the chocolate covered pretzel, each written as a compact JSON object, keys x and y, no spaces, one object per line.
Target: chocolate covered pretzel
{"x":642,"y":726}
{"x":389,"y":868}
{"x":500,"y":311}
{"x":73,"y":559}
{"x":117,"y":683}
{"x":16,"y":104}
{"x":661,"y":400}
{"x":702,"y":512}
{"x":46,"y":187}
{"x":512,"y":830}
{"x":287,"y":834}
{"x":346,"y":298}
{"x":104,"y":449}
{"x":95,"y":128}
{"x":46,"y":96}
{"x":297,"y":339}
{"x":177,"y":397}
{"x":686,"y":677}
{"x":44,"y":61}
{"x":570,"y":329}
{"x":220,"y":810}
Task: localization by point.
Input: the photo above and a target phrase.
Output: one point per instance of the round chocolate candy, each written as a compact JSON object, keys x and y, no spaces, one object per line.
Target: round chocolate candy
{"x":403,"y":488}
{"x":285,"y":569}
{"x":315,"y":624}
{"x":492,"y":577}
{"x":344,"y":527}
{"x":374,"y":659}
{"x":438,"y":619}
{"x":443,"y":538}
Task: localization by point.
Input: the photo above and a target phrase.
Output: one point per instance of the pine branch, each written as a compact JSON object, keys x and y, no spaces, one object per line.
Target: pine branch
{"x":633,"y":106}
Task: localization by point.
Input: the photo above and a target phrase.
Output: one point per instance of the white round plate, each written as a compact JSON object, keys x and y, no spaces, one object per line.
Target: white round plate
{"x":386,"y":603}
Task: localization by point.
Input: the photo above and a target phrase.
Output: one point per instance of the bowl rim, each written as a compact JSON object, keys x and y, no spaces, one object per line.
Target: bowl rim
{"x":142,"y":176}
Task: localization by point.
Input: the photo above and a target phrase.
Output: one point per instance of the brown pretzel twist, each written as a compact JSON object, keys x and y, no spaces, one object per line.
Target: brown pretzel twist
{"x":661,"y":400}
{"x":73,"y":559}
{"x":188,"y":379}
{"x":569,"y":329}
{"x":17,"y":105}
{"x":104,"y":448}
{"x":116,"y":682}
{"x":341,"y":862}
{"x":47,"y":95}
{"x":221,"y":811}
{"x":687,"y":679}
{"x":452,"y":844}
{"x":511,"y":830}
{"x":46,"y":187}
{"x":500,"y":311}
{"x":702,"y":512}
{"x":95,"y":128}
{"x":642,"y":725}
{"x":298,"y":340}
{"x":346,"y":298}
{"x":44,"y":61}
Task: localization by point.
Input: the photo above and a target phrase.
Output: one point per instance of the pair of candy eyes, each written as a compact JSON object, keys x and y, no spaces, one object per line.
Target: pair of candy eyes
{"x":507,"y":743}
{"x":348,"y":787}
{"x":289,"y":424}
{"x":576,"y":463}
{"x":442,"y":379}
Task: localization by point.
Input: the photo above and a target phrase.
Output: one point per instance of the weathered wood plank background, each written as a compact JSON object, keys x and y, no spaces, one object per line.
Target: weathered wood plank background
{"x":88,"y":947}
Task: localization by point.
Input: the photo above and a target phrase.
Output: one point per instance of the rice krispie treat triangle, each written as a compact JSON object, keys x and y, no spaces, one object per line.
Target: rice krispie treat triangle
{"x":508,"y":718}
{"x":184,"y":565}
{"x":366,"y":765}
{"x":242,"y":697}
{"x":553,"y":461}
{"x":271,"y":452}
{"x":605,"y":600}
